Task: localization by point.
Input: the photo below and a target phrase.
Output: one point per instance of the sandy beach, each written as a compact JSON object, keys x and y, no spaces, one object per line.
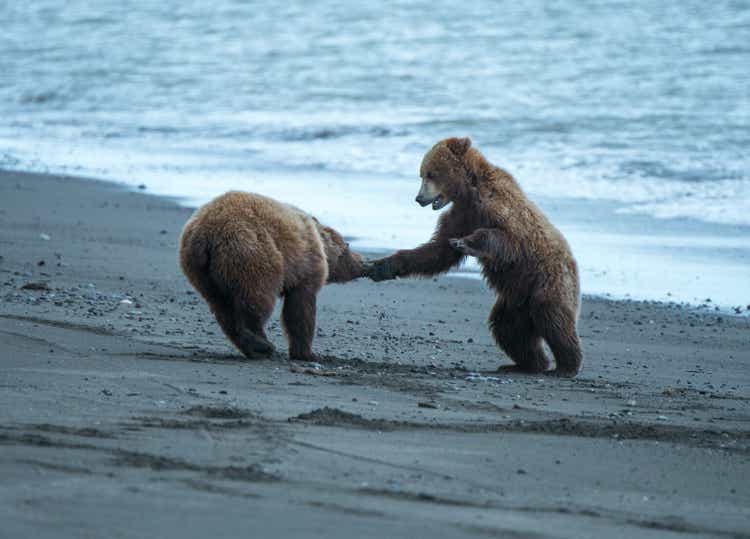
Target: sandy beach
{"x":125,"y":412}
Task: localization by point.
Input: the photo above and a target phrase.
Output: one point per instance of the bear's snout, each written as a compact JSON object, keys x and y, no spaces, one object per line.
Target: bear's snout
{"x":422,"y":201}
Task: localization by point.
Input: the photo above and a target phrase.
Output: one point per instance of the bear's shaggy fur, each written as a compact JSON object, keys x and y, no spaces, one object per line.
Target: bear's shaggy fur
{"x":524,"y":257}
{"x":242,"y":250}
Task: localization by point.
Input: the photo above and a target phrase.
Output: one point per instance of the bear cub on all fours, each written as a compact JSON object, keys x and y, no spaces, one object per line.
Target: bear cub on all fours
{"x":241,"y":251}
{"x":524,"y":258}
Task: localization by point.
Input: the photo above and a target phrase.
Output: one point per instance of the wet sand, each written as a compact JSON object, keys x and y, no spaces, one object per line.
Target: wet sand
{"x":124,"y":412}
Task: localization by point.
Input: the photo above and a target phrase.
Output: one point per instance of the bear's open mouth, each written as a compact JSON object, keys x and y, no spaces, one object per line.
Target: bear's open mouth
{"x":439,"y":202}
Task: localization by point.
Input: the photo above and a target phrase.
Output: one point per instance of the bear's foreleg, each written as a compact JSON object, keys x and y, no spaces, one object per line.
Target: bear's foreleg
{"x":514,"y":332}
{"x":431,"y":258}
{"x":298,"y":317}
{"x":436,"y":256}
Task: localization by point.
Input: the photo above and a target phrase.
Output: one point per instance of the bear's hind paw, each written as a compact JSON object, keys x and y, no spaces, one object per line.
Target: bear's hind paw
{"x":562,"y":373}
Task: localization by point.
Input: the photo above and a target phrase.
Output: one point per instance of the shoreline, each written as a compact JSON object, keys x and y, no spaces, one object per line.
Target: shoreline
{"x":701,"y":308}
{"x":701,"y":302}
{"x":123,"y":407}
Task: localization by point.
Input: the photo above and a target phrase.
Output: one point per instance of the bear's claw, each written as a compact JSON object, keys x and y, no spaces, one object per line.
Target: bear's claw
{"x":457,"y":243}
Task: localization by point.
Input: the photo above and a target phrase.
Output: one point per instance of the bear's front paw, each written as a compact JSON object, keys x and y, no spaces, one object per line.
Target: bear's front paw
{"x":458,"y":244}
{"x":380,"y":270}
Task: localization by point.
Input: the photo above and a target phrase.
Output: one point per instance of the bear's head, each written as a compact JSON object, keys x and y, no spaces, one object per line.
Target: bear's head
{"x":343,"y":263}
{"x":445,"y":177}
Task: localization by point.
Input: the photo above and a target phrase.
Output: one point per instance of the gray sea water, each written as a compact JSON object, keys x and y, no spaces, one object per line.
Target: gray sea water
{"x":628,"y":121}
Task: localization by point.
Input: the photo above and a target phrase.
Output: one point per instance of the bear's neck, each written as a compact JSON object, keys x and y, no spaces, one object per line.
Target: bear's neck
{"x":485,"y":172}
{"x":477,"y":165}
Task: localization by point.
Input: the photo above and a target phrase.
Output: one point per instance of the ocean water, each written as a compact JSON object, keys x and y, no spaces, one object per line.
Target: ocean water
{"x":629,"y":122}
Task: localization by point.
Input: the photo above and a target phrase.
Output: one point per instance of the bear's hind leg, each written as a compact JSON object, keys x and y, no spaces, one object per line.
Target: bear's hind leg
{"x":224,"y":314}
{"x":251,"y":314}
{"x":557,"y":324}
{"x":298,"y":316}
{"x":251,"y":337}
{"x":514,"y":332}
{"x":219,"y":302}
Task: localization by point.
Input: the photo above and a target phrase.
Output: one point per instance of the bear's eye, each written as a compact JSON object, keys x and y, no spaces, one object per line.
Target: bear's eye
{"x":430,"y":175}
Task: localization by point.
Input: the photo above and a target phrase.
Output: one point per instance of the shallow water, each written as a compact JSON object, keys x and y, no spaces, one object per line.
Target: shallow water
{"x":628,"y":121}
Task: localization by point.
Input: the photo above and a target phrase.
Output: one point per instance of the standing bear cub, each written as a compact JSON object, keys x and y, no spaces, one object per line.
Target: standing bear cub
{"x":241,"y":251}
{"x":524,"y":257}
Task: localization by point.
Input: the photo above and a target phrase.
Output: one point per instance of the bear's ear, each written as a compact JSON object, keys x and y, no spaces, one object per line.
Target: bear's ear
{"x":458,"y":146}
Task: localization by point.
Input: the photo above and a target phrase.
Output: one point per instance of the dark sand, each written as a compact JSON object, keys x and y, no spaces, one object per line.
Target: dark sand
{"x":139,"y":420}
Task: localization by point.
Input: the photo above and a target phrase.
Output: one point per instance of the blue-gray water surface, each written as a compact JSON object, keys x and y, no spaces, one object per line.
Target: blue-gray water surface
{"x":636,"y":109}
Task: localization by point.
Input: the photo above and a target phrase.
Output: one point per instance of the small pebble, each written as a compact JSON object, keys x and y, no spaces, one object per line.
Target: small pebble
{"x":35,"y":286}
{"x":427,"y":405}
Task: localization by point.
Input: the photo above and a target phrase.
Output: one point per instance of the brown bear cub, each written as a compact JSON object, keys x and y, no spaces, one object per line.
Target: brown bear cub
{"x":241,"y":251}
{"x":524,"y":258}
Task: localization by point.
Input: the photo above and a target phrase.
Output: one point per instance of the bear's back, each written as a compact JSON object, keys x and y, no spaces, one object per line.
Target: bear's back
{"x":255,"y":230}
{"x":241,"y":213}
